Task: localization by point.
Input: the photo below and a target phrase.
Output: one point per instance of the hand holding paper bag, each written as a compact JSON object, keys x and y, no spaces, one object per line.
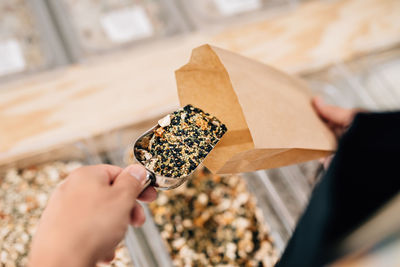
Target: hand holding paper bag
{"x":269,"y":116}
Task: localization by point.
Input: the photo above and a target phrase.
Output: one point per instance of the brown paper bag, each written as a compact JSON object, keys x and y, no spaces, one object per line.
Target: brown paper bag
{"x":269,"y":116}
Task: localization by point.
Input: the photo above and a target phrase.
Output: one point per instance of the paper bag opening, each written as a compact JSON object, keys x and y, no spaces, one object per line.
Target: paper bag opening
{"x":269,"y":116}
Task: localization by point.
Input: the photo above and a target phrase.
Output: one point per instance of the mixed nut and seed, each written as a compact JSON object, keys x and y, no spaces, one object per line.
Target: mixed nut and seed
{"x":180,"y":142}
{"x":24,"y":194}
{"x":121,"y":258}
{"x":213,"y":220}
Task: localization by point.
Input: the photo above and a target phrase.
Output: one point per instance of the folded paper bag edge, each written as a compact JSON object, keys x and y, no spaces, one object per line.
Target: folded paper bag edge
{"x":203,"y":78}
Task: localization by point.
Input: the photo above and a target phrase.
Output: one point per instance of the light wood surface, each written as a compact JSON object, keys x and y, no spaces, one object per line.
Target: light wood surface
{"x":318,"y":34}
{"x":50,"y":111}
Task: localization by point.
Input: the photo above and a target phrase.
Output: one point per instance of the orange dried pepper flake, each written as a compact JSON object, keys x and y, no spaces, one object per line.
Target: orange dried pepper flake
{"x":202,"y":124}
{"x":159,"y":132}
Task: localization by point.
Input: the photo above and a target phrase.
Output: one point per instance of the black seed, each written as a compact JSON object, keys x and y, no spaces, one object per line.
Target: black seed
{"x":197,"y":110}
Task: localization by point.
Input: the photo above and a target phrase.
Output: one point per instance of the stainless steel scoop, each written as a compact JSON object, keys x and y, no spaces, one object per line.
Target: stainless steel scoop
{"x":158,"y":181}
{"x":206,"y":125}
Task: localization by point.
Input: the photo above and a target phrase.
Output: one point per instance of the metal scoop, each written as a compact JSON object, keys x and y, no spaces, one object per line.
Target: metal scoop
{"x":192,"y":137}
{"x":156,"y":180}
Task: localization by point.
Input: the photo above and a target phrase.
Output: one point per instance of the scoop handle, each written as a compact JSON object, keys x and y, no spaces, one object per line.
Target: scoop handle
{"x":150,"y":180}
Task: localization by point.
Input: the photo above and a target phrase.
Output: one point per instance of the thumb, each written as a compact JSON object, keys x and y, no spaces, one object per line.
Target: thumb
{"x":131,"y":180}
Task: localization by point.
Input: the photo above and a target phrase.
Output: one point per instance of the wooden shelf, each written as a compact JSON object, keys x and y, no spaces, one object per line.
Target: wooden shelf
{"x":49,"y":112}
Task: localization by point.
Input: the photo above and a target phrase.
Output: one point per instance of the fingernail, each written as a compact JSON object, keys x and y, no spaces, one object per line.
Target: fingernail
{"x":138,"y":172}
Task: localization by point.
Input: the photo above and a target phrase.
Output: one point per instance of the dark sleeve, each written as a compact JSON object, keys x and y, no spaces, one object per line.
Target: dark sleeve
{"x":363,"y":175}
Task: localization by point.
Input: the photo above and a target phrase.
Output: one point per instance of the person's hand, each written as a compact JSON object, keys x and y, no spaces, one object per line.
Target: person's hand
{"x":88,"y":215}
{"x":338,"y":119}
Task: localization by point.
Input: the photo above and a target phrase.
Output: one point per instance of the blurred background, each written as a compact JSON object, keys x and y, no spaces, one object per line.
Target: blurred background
{"x":81,"y":79}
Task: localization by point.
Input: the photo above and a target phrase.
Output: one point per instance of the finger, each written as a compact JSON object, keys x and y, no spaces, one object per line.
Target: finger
{"x":109,"y":256}
{"x":137,"y":215}
{"x":108,"y":172}
{"x":337,"y":115}
{"x":111,"y":171}
{"x":328,"y":162}
{"x":102,"y":173}
{"x":130,"y":181}
{"x":322,"y":160}
{"x":148,"y":195}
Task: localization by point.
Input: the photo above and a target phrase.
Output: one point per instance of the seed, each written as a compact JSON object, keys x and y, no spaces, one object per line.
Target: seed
{"x":242,"y":241}
{"x":184,"y":137}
